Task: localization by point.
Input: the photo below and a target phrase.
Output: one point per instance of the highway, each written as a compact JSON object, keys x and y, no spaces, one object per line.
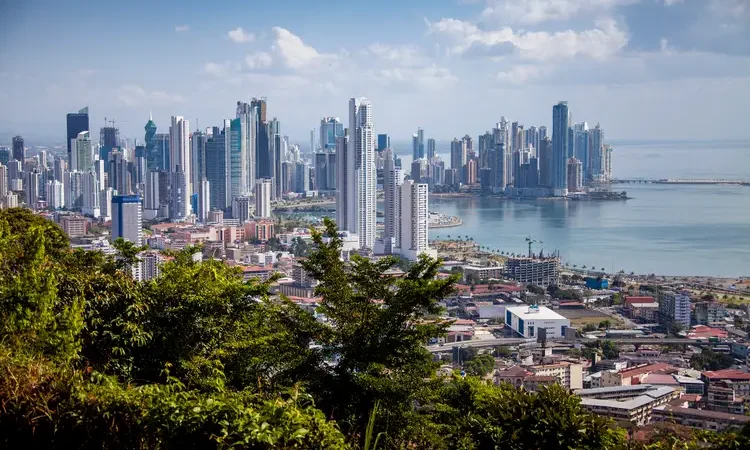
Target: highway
{"x":499,"y":342}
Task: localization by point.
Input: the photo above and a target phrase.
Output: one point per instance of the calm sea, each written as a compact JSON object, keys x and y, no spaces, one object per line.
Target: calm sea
{"x":663,"y":229}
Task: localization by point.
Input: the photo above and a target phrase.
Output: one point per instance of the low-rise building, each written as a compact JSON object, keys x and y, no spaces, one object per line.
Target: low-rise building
{"x":634,"y":375}
{"x":727,"y":390}
{"x":646,"y":312}
{"x":698,"y":418}
{"x":482,"y":273}
{"x":569,"y":375}
{"x":74,"y":226}
{"x":527,"y":320}
{"x":632,"y":403}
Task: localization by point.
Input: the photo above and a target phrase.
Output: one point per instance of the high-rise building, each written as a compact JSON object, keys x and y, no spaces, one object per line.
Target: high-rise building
{"x":560,"y":117}
{"x":263,"y":198}
{"x":277,"y":153}
{"x":217,"y":152}
{"x":90,"y":194}
{"x":248,"y":117}
{"x":77,"y":123}
{"x":118,"y":175}
{"x":204,"y":200}
{"x":109,"y":139}
{"x":19,"y":151}
{"x":392,"y":179}
{"x":152,"y":158}
{"x":458,"y":154}
{"x":581,"y":150}
{"x":260,"y":105}
{"x":126,"y":219}
{"x":5,"y":155}
{"x":674,"y":307}
{"x":81,"y":154}
{"x":55,"y":195}
{"x":105,"y":203}
{"x":73,"y":183}
{"x":198,"y":152}
{"x":597,"y":154}
{"x":413,"y":219}
{"x":418,"y":144}
{"x":179,"y":200}
{"x":330,"y":130}
{"x":237,"y":173}
{"x":301,"y":177}
{"x":151,"y":198}
{"x":545,"y":162}
{"x":42,"y":155}
{"x":4,"y":181}
{"x":430,"y":148}
{"x":356,"y":192}
{"x":470,"y":172}
{"x":32,"y":188}
{"x":575,"y":175}
{"x":384,"y":142}
{"x":179,"y":149}
{"x":321,"y":171}
{"x":241,"y":208}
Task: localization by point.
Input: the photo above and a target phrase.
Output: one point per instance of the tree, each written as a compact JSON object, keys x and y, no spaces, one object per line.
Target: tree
{"x":480,"y":365}
{"x":588,"y":328}
{"x":534,"y":289}
{"x":708,"y":359}
{"x":605,"y":324}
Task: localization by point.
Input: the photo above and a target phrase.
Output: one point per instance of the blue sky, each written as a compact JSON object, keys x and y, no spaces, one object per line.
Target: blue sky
{"x":645,"y":69}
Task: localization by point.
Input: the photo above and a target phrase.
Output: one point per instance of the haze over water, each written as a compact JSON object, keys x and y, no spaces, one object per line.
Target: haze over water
{"x":663,"y":229}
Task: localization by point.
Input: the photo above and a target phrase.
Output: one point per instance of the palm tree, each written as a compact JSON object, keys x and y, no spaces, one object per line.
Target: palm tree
{"x":583,"y":267}
{"x":575,"y":266}
{"x":603,"y":269}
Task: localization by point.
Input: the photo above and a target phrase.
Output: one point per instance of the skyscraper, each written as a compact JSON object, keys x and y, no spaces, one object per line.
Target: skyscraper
{"x":204,"y":200}
{"x":3,"y":183}
{"x":198,"y":152}
{"x":330,"y":130}
{"x":248,"y":116}
{"x":55,"y":195}
{"x":392,"y":179}
{"x":126,"y":219}
{"x":458,"y":154}
{"x":575,"y":175}
{"x":581,"y":151}
{"x":413,"y":214}
{"x":430,"y":148}
{"x":118,"y":175}
{"x":545,"y":162}
{"x":73,"y":185}
{"x":150,"y":138}
{"x":384,"y":142}
{"x":32,"y":188}
{"x":418,"y":144}
{"x":109,"y":139}
{"x":81,"y":152}
{"x":560,"y":116}
{"x":217,"y":153}
{"x":19,"y":151}
{"x":597,"y":155}
{"x":77,"y":123}
{"x":356,"y":193}
{"x":179,"y":149}
{"x":90,"y":195}
{"x":5,"y":155}
{"x":263,"y":198}
{"x":237,"y":174}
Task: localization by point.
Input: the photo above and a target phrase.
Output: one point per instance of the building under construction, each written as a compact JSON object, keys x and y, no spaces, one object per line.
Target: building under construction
{"x":539,"y":271}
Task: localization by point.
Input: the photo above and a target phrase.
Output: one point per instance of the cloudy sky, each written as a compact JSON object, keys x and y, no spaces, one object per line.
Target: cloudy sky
{"x":645,"y":69}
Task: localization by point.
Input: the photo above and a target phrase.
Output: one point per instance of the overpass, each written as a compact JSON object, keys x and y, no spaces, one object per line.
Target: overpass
{"x":657,"y":341}
{"x":480,"y":343}
{"x":705,"y":181}
{"x":500,"y":342}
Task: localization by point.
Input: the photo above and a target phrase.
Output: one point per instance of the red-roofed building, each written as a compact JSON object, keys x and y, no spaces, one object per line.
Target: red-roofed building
{"x":704,"y":332}
{"x":727,"y":390}
{"x":635,"y":375}
{"x":637,"y":299}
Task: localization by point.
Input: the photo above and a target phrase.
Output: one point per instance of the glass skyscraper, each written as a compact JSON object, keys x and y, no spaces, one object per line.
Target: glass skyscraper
{"x":216,"y":169}
{"x":77,"y":122}
{"x":560,"y":119}
{"x":330,"y":130}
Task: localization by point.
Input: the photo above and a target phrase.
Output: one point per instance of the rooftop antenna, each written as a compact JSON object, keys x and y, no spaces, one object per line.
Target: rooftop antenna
{"x":150,"y":116}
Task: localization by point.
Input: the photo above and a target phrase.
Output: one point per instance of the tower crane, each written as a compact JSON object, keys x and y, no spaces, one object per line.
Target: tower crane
{"x":531,"y":241}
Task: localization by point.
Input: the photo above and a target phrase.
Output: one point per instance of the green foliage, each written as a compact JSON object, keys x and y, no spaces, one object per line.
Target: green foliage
{"x":534,"y":289}
{"x":708,"y":359}
{"x":589,"y":327}
{"x":480,"y":365}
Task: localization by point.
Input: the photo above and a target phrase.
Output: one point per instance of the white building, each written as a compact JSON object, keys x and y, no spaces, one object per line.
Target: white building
{"x":392,"y":178}
{"x":413,"y":218}
{"x":179,"y":206}
{"x":675,"y":307}
{"x":105,"y":203}
{"x":151,"y":198}
{"x":91,"y":195}
{"x":204,"y":200}
{"x":357,"y":188}
{"x":73,"y":189}
{"x":150,"y":262}
{"x":126,"y":218}
{"x":527,"y":320}
{"x":55,"y":195}
{"x":33,"y":179}
{"x":179,"y":153}
{"x":3,"y":181}
{"x":263,"y":198}
{"x":81,"y":152}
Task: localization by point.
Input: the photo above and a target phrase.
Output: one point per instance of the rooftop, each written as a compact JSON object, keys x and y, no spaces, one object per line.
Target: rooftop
{"x":648,"y":368}
{"x":526,"y":312}
{"x":728,"y":374}
{"x":704,"y":413}
{"x":639,"y":299}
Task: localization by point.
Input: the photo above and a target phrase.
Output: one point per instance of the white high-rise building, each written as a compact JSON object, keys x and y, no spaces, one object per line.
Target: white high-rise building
{"x":204,"y":201}
{"x":126,"y":218}
{"x":151,"y":192}
{"x":3,"y":182}
{"x":91,"y":195}
{"x":105,"y":203}
{"x":179,"y":153}
{"x":356,"y":193}
{"x":263,"y":198}
{"x":413,"y":217}
{"x":55,"y":195}
{"x":150,"y":262}
{"x":248,"y":126}
{"x":179,"y":207}
{"x":81,"y":152}
{"x":392,"y":179}
{"x":73,"y":189}
{"x":101,"y":173}
{"x":31,"y":187}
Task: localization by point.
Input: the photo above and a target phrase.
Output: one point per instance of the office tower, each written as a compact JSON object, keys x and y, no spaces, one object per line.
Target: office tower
{"x":331,"y":171}
{"x":31,"y":188}
{"x":470,"y":172}
{"x":198,"y":152}
{"x":109,"y":139}
{"x":241,"y":208}
{"x":560,"y":116}
{"x":126,"y":219}
{"x":301,"y":177}
{"x":80,"y":156}
{"x":117,"y":173}
{"x":179,"y":155}
{"x":158,"y":159}
{"x":73,"y":185}
{"x":55,"y":195}
{"x":19,"y":151}
{"x":90,"y":195}
{"x":42,"y":155}
{"x":248,"y":117}
{"x":575,"y":175}
{"x":138,"y":174}
{"x":384,"y":142}
{"x":263,"y":198}
{"x":179,"y":201}
{"x":418,"y":144}
{"x":77,"y":123}
{"x":5,"y":155}
{"x":571,"y":142}
{"x":105,"y":203}
{"x":430,"y":148}
{"x":356,"y":189}
{"x":151,"y":198}
{"x":278,"y":153}
{"x":204,"y":200}
{"x":545,"y":162}
{"x":413,"y":219}
{"x":485,"y":147}
{"x":458,"y":154}
{"x":259,"y":104}
{"x":392,"y":179}
{"x":217,"y":151}
{"x":330,"y":130}
{"x":4,"y":181}
{"x":597,"y":154}
{"x":237,"y":173}
{"x":321,"y":171}
{"x":150,"y":140}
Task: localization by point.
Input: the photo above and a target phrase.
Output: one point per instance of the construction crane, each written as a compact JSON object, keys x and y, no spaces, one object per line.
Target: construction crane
{"x":531,"y":241}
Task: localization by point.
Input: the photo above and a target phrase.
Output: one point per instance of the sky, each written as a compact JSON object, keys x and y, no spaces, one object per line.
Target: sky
{"x":644,"y":69}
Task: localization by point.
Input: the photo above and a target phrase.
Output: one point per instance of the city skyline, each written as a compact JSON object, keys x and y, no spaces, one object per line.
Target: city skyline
{"x":626,"y":62}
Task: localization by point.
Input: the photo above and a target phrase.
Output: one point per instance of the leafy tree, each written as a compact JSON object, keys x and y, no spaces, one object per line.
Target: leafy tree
{"x":708,"y":359}
{"x":589,"y":327}
{"x":480,"y":365}
{"x":534,"y":289}
{"x":604,"y":324}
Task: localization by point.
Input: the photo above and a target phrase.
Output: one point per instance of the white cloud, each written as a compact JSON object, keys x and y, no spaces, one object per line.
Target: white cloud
{"x":520,"y":74}
{"x":425,"y":78}
{"x":400,"y":55}
{"x":258,"y":60}
{"x":133,"y":95}
{"x":295,"y":54}
{"x":181,"y":28}
{"x":601,"y":42}
{"x":537,"y":11}
{"x":665,"y":47}
{"x":240,"y":36}
{"x":672,"y":2}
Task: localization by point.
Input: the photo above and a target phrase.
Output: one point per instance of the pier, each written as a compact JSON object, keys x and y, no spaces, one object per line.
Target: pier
{"x":680,"y":181}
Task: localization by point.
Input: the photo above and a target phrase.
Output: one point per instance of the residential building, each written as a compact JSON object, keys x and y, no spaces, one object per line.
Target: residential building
{"x":76,"y":124}
{"x":74,"y":226}
{"x":384,"y":142}
{"x":32,"y":188}
{"x":3,"y":182}
{"x":727,"y":390}
{"x":568,"y":375}
{"x":634,"y":375}
{"x":217,"y":153}
{"x":55,"y":195}
{"x":674,"y":307}
{"x":575,"y":175}
{"x":179,"y":156}
{"x":263,"y":198}
{"x":150,"y":265}
{"x":527,"y":320}
{"x":81,"y":155}
{"x":204,"y":200}
{"x":623,"y":403}
{"x":430,"y":149}
{"x":708,"y":313}
{"x":412,"y":239}
{"x":560,"y":121}
{"x":392,"y":179}
{"x":126,"y":219}
{"x":677,"y":412}
{"x":459,"y":155}
{"x":330,"y":130}
{"x":90,"y":194}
